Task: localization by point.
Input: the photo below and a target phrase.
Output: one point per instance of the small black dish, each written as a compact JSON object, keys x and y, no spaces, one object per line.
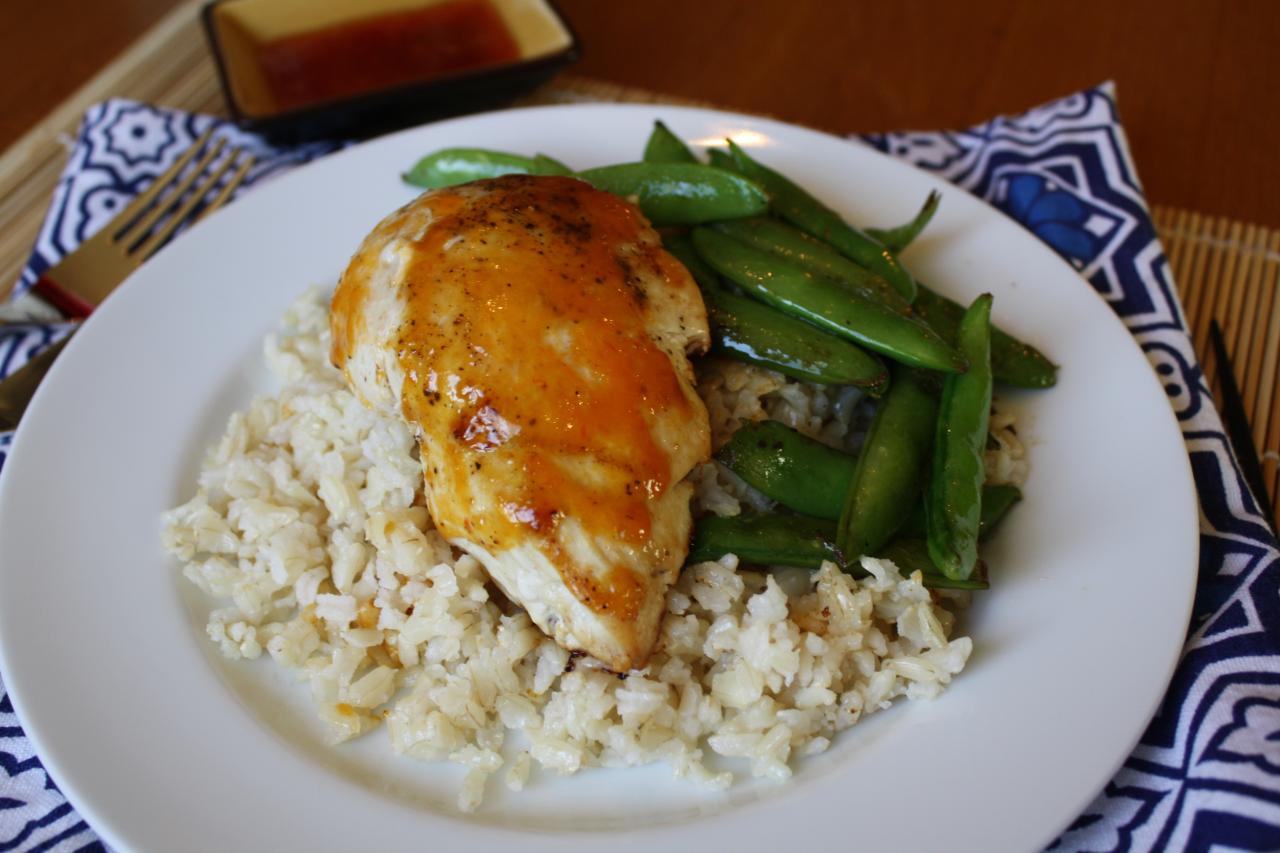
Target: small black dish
{"x":371,"y":35}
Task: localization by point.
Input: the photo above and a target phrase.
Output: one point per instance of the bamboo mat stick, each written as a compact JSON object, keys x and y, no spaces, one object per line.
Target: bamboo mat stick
{"x":1179,"y":253}
{"x":1270,"y":352}
{"x":1201,"y":312}
{"x":1184,"y":257}
{"x":1218,"y":297}
{"x":1230,"y":300}
{"x":1247,"y":318}
{"x":1261,"y":305}
{"x":1237,"y":278}
{"x":1254,"y":250}
{"x":1270,"y":445}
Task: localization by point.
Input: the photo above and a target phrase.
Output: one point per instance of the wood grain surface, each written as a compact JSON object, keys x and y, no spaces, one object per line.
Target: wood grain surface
{"x":1199,"y":81}
{"x":49,"y":48}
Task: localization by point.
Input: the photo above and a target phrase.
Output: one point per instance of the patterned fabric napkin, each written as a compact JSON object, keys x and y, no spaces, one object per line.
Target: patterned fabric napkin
{"x":1207,"y":771}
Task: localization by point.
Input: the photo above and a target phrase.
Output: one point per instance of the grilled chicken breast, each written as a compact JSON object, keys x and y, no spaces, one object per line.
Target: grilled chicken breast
{"x":535,"y":333}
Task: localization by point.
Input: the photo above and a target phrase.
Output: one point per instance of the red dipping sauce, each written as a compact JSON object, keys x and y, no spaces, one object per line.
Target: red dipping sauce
{"x":383,"y":51}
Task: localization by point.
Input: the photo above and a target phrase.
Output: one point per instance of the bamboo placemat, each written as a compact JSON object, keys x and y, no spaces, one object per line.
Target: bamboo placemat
{"x":1224,"y":269}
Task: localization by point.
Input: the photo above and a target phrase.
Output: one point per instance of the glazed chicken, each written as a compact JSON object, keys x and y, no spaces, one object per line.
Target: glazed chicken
{"x":534,"y":332}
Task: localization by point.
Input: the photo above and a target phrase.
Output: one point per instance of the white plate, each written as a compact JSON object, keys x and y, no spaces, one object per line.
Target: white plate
{"x":163,"y":746}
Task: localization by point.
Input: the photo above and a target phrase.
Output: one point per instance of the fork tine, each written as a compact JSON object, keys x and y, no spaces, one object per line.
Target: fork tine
{"x":144,"y":199}
{"x":225,"y":193}
{"x":136,"y":232}
{"x":161,"y":235}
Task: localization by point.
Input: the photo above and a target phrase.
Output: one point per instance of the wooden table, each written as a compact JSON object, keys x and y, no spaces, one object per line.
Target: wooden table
{"x":1197,"y":79}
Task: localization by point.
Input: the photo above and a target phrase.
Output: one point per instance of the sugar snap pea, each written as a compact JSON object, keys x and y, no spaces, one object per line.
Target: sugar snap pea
{"x":665,"y":147}
{"x":892,"y":466}
{"x":765,"y":539}
{"x":827,"y":304}
{"x":776,"y":237}
{"x":798,"y":472}
{"x":912,"y":555}
{"x":747,"y":330}
{"x":953,"y":506}
{"x":1012,"y":361}
{"x":805,"y":475}
{"x":681,"y":193}
{"x":681,"y":248}
{"x":997,"y":500}
{"x":750,"y":331}
{"x":450,"y":166}
{"x":720,"y":158}
{"x":546,"y":165}
{"x":667,"y":193}
{"x":897,"y":239}
{"x":801,"y":209}
{"x":771,"y":539}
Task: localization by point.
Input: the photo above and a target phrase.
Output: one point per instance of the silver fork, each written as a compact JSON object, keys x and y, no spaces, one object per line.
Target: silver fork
{"x":79,"y":282}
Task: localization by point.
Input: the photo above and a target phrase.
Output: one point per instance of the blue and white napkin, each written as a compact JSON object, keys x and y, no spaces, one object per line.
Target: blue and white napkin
{"x":1207,"y":771}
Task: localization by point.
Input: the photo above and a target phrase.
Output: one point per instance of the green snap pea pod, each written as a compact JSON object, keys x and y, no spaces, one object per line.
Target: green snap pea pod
{"x":790,"y":540}
{"x":720,"y":158}
{"x":826,"y":304}
{"x":799,"y":208}
{"x":778,"y":238}
{"x":897,"y":239}
{"x":765,"y":539}
{"x":450,"y":166}
{"x":912,"y":555}
{"x":808,"y":476}
{"x":1012,"y":361}
{"x":544,"y":164}
{"x":750,"y":331}
{"x":892,"y":467}
{"x":796,"y":471}
{"x":953,"y":506}
{"x":681,"y":193}
{"x":747,"y":330}
{"x":665,"y":147}
{"x":681,"y":248}
{"x":997,"y":500}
